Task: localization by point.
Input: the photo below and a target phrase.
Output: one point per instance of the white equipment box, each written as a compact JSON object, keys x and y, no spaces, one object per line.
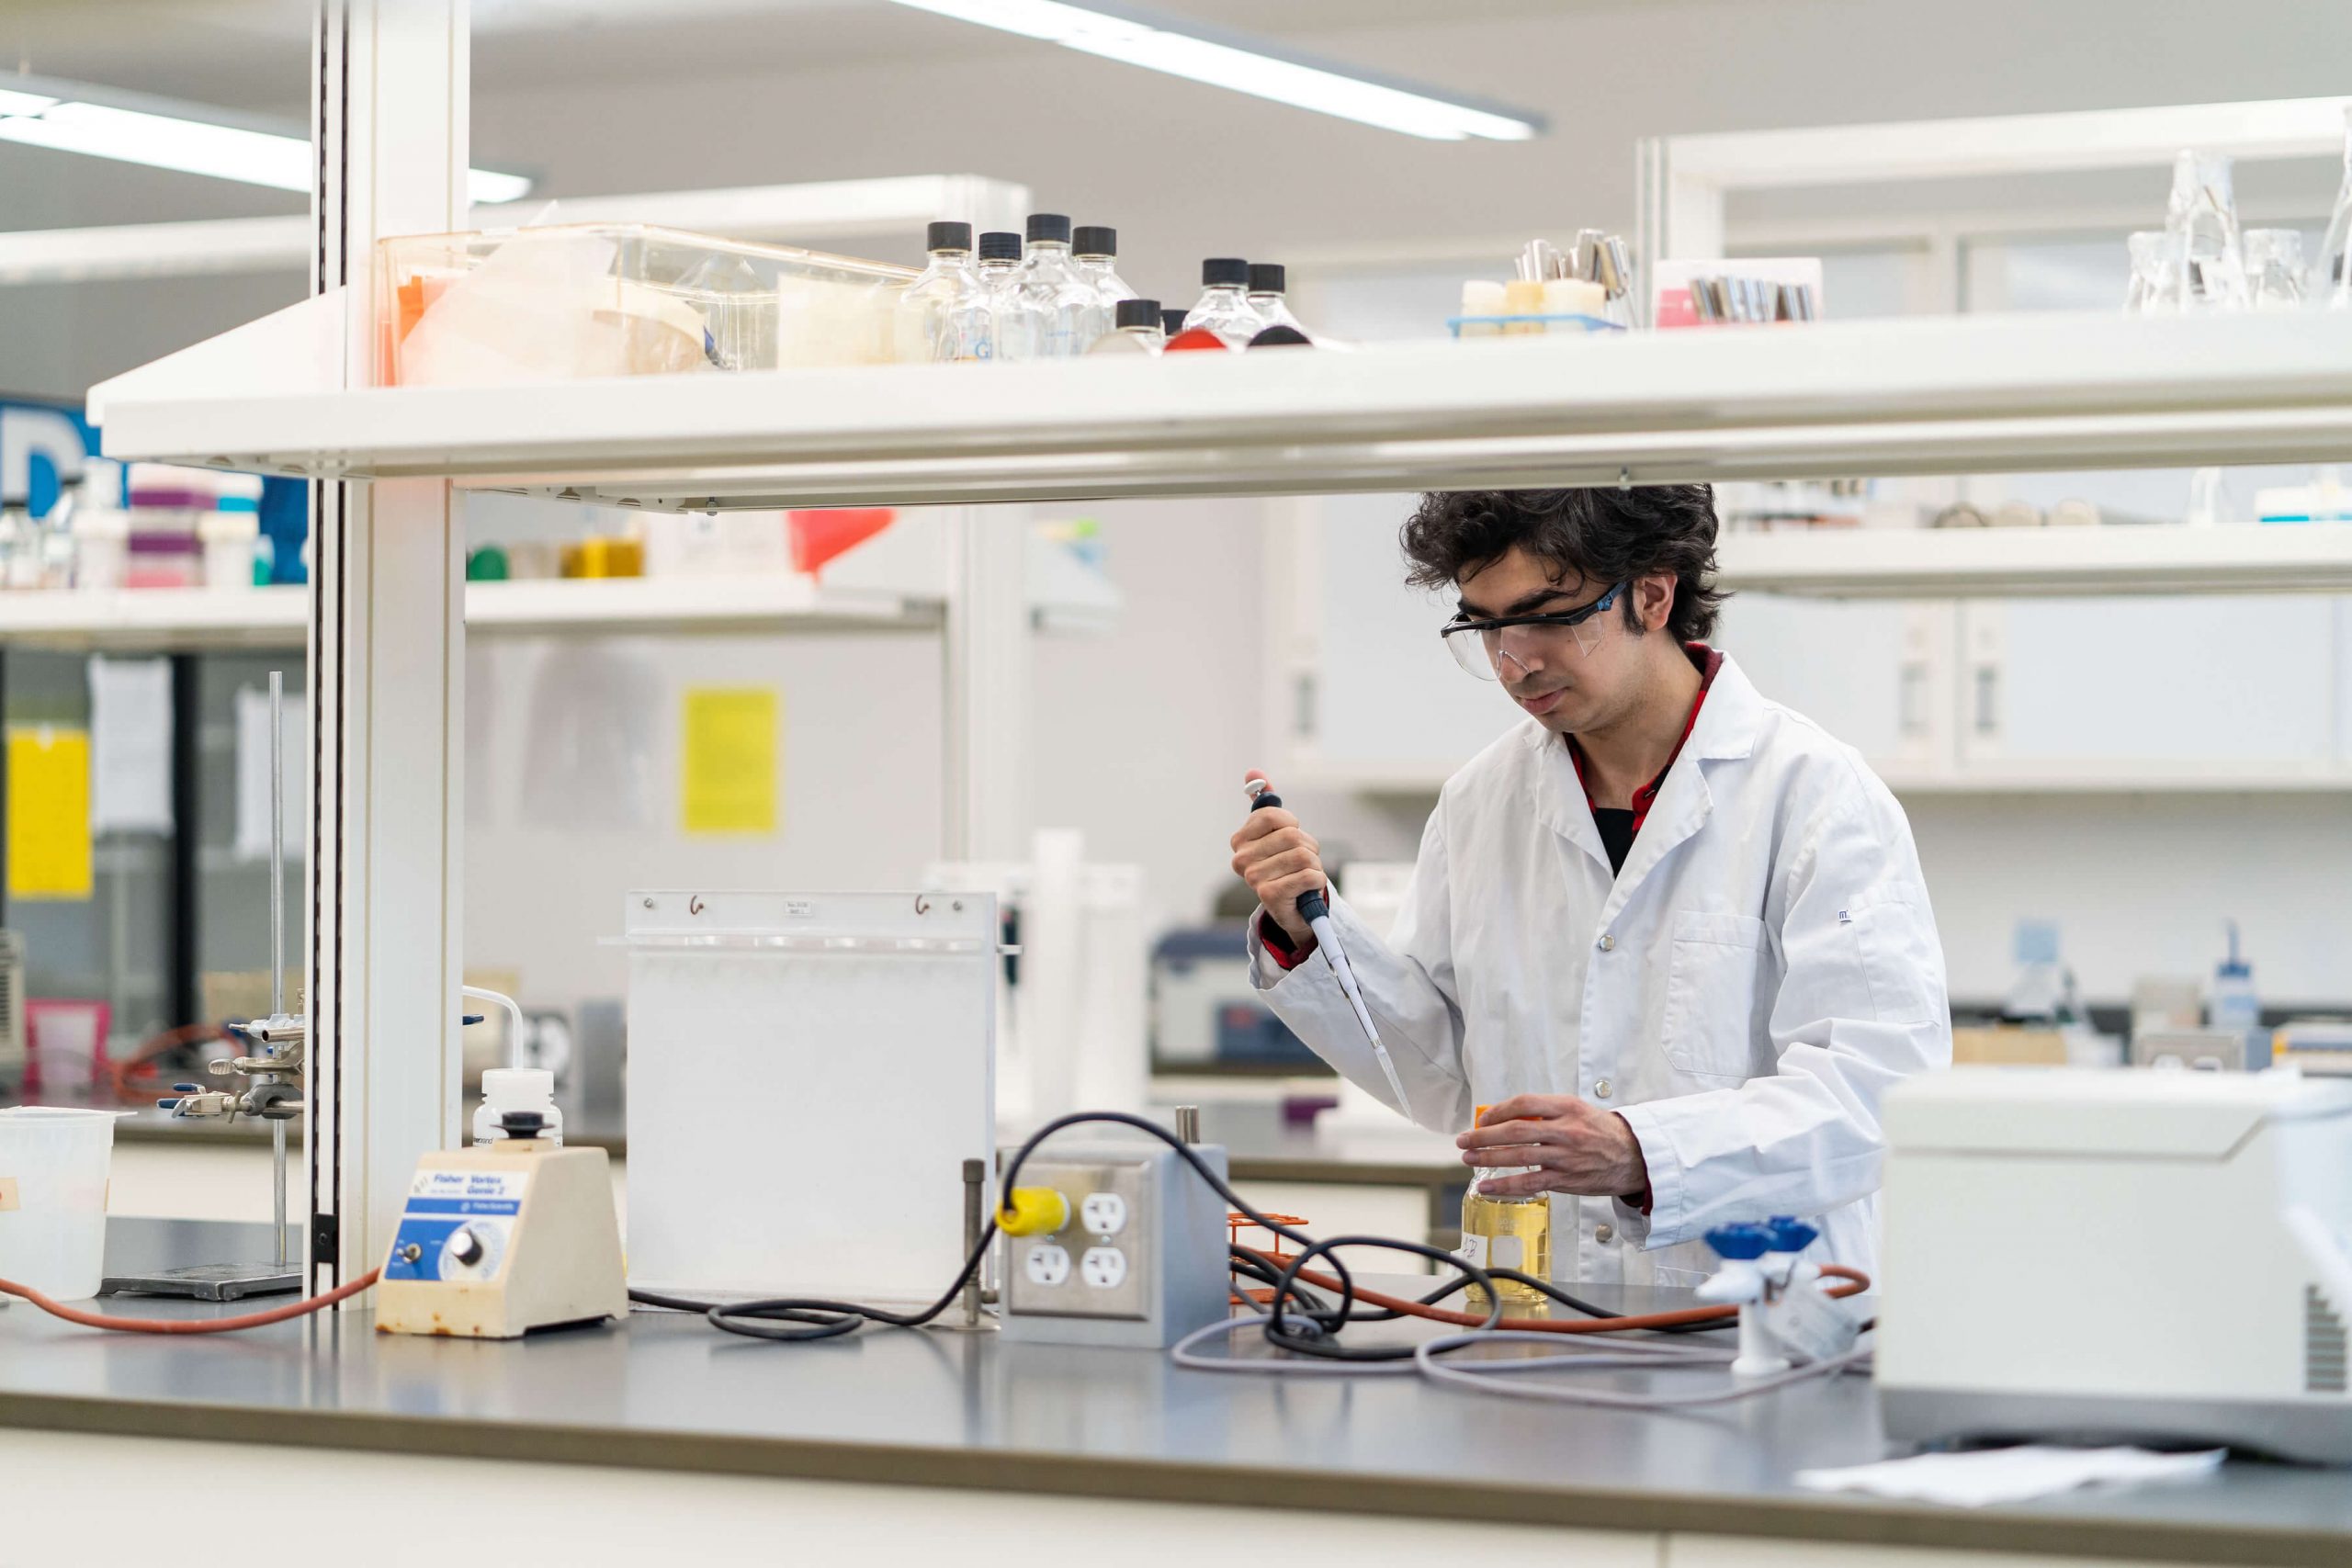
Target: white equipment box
{"x":2128,"y":1257}
{"x":807,"y":1075}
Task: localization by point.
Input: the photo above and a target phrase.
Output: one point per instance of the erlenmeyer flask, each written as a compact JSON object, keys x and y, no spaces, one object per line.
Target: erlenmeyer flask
{"x":2274,"y":268}
{"x":2203,"y":216}
{"x":2155,"y":274}
{"x":2332,"y":273}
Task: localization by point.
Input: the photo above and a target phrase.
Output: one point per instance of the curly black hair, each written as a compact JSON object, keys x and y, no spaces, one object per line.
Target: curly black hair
{"x":1605,"y":536}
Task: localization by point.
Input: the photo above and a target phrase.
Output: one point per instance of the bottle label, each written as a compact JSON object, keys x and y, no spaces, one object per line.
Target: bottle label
{"x":1472,"y":1251}
{"x":1507,"y":1252}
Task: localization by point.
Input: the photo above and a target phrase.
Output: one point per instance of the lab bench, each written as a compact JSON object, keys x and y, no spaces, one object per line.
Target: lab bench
{"x":1003,"y":1445}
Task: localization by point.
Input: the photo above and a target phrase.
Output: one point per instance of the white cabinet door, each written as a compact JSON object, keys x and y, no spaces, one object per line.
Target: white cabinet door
{"x":1374,"y":701}
{"x":2172,"y":691}
{"x":1877,"y":676}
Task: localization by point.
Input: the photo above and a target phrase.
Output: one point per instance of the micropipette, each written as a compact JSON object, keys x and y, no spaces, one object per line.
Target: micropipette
{"x":1318,"y":921}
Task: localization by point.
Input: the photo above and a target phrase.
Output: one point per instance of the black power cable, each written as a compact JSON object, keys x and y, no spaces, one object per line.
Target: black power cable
{"x":1297,"y":1320}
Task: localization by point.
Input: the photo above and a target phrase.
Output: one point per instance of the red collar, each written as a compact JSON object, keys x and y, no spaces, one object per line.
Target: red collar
{"x":1707,"y":660}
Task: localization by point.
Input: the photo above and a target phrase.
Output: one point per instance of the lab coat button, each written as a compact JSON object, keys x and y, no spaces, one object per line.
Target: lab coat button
{"x":1608,"y":943}
{"x":1600,"y":1089}
{"x":1603,"y":1232}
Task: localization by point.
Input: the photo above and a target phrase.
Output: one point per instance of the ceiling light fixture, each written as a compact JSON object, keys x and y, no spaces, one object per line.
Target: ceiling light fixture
{"x":66,"y":116}
{"x":1182,"y":47}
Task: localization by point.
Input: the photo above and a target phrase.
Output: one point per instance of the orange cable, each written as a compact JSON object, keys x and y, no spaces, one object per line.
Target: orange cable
{"x":187,"y":1324}
{"x":1858,"y":1282}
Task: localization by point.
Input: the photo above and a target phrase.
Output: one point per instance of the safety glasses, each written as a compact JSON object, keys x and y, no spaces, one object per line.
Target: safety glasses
{"x":1509,"y":647}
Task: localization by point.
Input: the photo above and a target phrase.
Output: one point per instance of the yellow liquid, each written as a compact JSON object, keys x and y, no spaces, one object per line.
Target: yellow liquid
{"x":1507,"y":1233}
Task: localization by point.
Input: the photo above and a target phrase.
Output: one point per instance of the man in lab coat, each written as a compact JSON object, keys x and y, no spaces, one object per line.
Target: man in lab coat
{"x":1672,"y":933}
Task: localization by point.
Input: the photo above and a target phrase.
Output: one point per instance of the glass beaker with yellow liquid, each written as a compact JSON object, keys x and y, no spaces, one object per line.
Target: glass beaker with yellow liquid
{"x":1505,"y":1232}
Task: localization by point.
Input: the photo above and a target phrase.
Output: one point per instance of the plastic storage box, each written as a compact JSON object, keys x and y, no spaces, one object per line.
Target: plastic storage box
{"x":582,"y":299}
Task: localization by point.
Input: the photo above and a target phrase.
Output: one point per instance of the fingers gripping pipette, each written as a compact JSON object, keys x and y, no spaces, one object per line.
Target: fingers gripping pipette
{"x":1317,"y":915}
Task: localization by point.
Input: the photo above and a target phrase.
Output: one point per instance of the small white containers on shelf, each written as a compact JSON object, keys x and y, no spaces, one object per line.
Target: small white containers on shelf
{"x":1136,"y":330}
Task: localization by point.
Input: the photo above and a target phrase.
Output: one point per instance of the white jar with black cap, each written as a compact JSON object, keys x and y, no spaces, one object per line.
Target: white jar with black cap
{"x":1268,"y":284}
{"x":1096,"y":251}
{"x":1136,"y":329}
{"x":1062,"y":298}
{"x":1224,"y":305}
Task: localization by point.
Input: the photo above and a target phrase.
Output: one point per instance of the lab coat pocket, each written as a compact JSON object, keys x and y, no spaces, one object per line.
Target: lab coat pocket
{"x":1711,"y":995}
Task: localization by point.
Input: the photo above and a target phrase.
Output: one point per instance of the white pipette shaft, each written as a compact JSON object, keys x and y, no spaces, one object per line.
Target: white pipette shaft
{"x":1318,"y":921}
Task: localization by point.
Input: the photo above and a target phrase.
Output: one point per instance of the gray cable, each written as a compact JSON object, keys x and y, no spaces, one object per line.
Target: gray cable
{"x":1622,"y":1353}
{"x":1183,"y":1355}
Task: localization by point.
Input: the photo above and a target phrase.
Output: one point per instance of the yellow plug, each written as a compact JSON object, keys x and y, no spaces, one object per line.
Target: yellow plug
{"x":1034,"y":1210}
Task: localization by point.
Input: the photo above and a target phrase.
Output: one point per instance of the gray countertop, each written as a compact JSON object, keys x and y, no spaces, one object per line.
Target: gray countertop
{"x":969,"y":1410}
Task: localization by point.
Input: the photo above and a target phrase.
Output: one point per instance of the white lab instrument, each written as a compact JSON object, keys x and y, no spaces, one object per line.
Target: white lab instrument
{"x":1754,"y":1053}
{"x":771,"y":1037}
{"x":2086,"y":1256}
{"x":1114,"y":1242}
{"x":501,"y":1238}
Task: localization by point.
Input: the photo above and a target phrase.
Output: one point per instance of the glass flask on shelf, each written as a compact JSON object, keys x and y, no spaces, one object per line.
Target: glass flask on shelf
{"x":1012,"y":327}
{"x":2274,"y":269}
{"x":1096,"y":251}
{"x":2332,"y":273}
{"x":1269,"y":286}
{"x":2203,"y":216}
{"x":930,"y":311}
{"x":1505,"y":1232}
{"x":2155,"y":274}
{"x":1061,"y":298}
{"x":1224,"y":305}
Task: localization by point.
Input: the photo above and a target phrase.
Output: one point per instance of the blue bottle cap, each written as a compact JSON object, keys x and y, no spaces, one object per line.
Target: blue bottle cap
{"x":1790,"y":1235}
{"x":1742,"y":1243}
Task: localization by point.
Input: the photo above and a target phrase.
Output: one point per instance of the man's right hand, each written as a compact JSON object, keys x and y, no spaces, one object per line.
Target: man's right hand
{"x":1279,"y":860}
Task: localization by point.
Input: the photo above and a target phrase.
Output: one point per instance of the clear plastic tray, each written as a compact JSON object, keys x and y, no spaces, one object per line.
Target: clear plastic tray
{"x":582,"y":299}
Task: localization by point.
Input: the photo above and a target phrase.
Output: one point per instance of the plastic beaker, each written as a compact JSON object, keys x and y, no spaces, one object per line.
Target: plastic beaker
{"x":53,"y":1165}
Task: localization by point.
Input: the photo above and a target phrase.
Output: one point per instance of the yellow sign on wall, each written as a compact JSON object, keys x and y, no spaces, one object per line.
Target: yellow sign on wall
{"x":732,"y":759}
{"x":48,"y":813}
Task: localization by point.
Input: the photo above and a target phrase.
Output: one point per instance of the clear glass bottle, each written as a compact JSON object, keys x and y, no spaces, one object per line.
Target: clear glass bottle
{"x":2203,"y":215}
{"x":1136,"y":328}
{"x":2274,"y":269}
{"x":929,"y":311}
{"x":2155,"y":274}
{"x":1224,"y":305}
{"x":21,"y":545}
{"x":1505,"y":1232}
{"x":1063,"y":298}
{"x":2332,"y":273}
{"x":1268,"y":289}
{"x":1013,"y":332}
{"x":1095,"y":250}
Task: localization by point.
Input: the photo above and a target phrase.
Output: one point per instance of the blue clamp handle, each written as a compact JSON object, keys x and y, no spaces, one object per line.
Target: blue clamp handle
{"x":1740,"y":1242}
{"x":1791,"y":1235}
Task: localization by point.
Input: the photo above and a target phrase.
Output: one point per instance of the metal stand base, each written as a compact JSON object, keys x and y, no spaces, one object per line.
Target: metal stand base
{"x":209,"y":1281}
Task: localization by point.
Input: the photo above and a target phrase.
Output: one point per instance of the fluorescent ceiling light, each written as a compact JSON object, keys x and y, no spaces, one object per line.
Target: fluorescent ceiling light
{"x":1245,"y":66}
{"x":67,"y":118}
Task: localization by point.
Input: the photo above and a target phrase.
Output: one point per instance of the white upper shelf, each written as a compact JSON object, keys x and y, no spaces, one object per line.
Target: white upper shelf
{"x":201,"y":619}
{"x":1980,"y":394}
{"x":1960,"y":563}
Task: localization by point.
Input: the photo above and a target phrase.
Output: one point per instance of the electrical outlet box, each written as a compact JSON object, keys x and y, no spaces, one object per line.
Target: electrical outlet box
{"x":1142,"y":1261}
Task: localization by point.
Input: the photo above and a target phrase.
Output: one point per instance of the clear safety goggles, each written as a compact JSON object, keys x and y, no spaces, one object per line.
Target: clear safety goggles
{"x":1507,"y":647}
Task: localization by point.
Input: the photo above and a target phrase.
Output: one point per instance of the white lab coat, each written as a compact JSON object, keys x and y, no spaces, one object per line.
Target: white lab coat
{"x":1744,"y":993}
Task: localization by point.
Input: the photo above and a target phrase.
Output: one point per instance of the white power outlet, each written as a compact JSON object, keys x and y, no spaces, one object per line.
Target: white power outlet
{"x":1047,"y":1264}
{"x":1105,"y":1267}
{"x":1103,"y":1213}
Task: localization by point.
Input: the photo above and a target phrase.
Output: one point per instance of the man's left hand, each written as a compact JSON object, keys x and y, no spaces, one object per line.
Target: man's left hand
{"x":1576,"y":1148}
